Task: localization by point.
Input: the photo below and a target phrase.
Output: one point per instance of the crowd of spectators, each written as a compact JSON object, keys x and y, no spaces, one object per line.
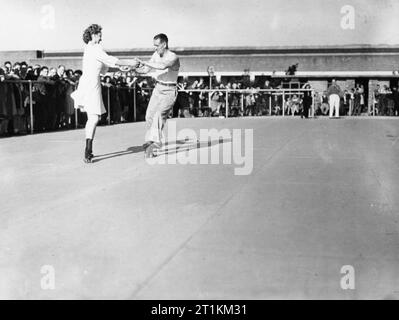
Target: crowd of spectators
{"x":53,"y":107}
{"x":386,"y":100}
{"x":244,"y":98}
{"x":353,"y":101}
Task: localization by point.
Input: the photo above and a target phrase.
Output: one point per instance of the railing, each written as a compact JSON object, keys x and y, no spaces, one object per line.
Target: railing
{"x":130,"y":90}
{"x":28,"y":89}
{"x":242,"y":92}
{"x":30,"y":85}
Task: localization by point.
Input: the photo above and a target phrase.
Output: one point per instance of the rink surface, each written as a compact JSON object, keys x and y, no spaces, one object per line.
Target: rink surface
{"x":322,"y":194}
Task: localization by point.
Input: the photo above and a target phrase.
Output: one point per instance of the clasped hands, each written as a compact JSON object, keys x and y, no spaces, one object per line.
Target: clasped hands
{"x":135,"y":64}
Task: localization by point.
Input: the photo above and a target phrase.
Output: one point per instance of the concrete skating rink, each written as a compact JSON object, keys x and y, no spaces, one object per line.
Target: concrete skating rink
{"x":323,"y":194}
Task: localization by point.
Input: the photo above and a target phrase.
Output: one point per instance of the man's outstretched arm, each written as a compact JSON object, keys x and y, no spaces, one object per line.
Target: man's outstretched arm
{"x":160,"y":65}
{"x":142,"y":69}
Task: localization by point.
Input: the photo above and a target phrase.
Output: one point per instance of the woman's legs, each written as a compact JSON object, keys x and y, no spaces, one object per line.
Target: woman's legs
{"x":90,"y":130}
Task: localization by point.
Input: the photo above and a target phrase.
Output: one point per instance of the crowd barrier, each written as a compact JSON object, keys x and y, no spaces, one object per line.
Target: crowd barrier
{"x":269,"y":101}
{"x":35,"y":106}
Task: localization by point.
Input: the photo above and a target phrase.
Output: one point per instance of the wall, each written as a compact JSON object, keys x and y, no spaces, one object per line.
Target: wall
{"x":265,"y":63}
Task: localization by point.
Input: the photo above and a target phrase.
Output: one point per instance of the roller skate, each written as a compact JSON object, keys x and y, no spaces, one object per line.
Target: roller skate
{"x":88,"y":151}
{"x":151,"y":150}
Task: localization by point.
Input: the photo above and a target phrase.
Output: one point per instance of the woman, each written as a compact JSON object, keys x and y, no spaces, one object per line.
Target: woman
{"x":88,"y":95}
{"x":307,"y":101}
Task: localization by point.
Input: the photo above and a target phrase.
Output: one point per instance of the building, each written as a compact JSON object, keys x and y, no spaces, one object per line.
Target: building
{"x":350,"y":65}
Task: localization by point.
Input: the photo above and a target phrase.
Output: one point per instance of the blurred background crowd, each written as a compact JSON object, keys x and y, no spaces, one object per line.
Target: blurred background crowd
{"x":126,"y":98}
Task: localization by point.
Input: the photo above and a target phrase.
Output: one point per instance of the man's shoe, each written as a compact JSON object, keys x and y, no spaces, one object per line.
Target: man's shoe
{"x":152,"y":150}
{"x":146,"y":144}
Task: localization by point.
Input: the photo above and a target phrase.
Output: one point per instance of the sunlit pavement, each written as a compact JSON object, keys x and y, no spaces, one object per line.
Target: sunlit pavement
{"x":322,"y":194}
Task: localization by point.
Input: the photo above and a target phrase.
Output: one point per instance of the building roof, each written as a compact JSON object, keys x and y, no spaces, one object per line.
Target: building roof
{"x":188,"y":51}
{"x":313,"y":61}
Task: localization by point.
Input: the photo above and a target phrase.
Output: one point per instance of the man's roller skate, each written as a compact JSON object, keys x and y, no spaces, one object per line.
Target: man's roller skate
{"x":151,"y":149}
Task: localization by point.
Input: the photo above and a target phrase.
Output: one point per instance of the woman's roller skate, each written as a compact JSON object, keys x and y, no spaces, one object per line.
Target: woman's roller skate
{"x":88,"y":151}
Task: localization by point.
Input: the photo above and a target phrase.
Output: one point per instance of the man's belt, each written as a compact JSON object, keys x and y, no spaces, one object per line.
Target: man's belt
{"x":166,"y":84}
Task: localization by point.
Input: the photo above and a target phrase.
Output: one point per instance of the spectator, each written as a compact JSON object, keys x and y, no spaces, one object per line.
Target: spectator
{"x":41,"y":110}
{"x":325,"y":107}
{"x":7,"y":66}
{"x":307,"y":100}
{"x":357,"y":99}
{"x":346,"y":102}
{"x":36,"y":70}
{"x":334,"y":93}
{"x":60,"y":72}
{"x":395,"y":97}
{"x":249,"y":103}
{"x":52,"y":72}
{"x":362,"y":99}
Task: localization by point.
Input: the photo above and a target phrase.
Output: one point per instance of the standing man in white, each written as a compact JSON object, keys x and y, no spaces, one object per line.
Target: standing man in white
{"x":165,"y":64}
{"x":88,"y":95}
{"x":334,"y":97}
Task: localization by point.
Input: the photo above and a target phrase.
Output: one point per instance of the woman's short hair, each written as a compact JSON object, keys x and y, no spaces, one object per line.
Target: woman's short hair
{"x":92,"y":29}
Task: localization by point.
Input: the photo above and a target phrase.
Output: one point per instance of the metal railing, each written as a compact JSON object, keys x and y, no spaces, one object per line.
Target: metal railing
{"x":131,"y":90}
{"x":242,"y":92}
{"x":30,"y":84}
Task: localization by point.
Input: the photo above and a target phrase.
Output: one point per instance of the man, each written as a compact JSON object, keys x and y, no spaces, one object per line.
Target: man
{"x":52,"y":72}
{"x":36,"y":71}
{"x":325,"y":107}
{"x":395,"y":97}
{"x":267,"y":95}
{"x":334,"y":93}
{"x":60,"y":72}
{"x":7,"y":66}
{"x":306,"y":101}
{"x":41,"y":97}
{"x":60,"y":98}
{"x":165,"y":65}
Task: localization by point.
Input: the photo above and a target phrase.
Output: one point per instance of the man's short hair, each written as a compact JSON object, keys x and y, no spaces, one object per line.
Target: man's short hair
{"x":43,"y":68}
{"x":162,"y":37}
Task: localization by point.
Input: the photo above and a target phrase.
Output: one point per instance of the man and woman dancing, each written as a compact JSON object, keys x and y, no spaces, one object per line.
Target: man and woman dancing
{"x":164,"y":64}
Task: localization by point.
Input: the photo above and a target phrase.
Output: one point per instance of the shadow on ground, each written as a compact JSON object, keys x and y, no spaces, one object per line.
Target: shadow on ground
{"x":171,"y":147}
